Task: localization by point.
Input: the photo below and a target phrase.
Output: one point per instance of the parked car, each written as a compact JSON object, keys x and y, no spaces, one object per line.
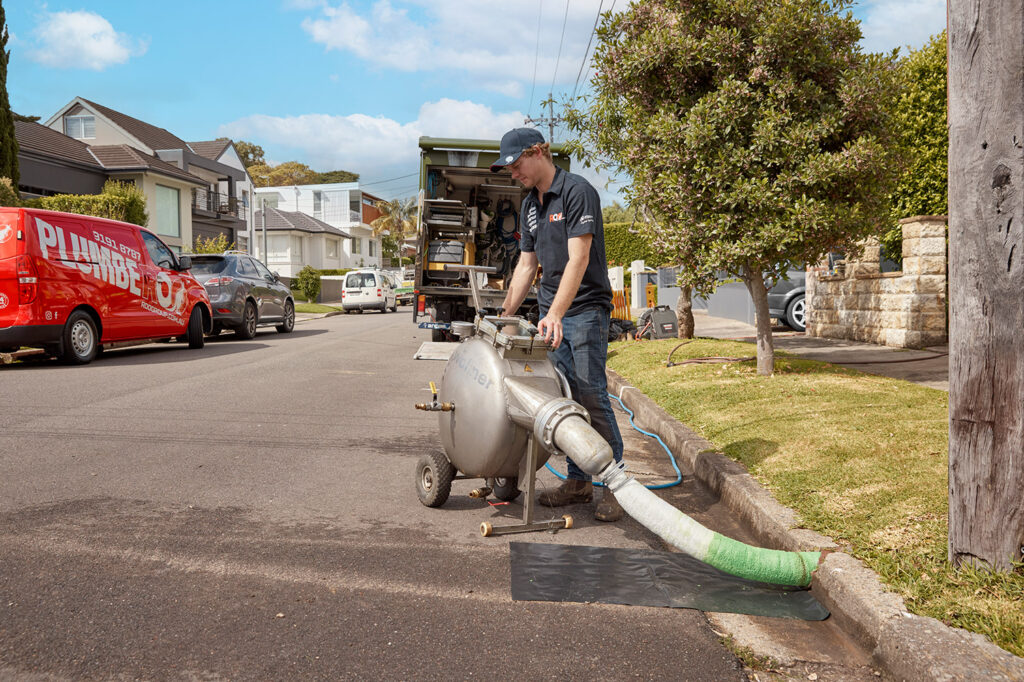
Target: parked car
{"x":406,"y":288}
{"x":368,"y":290}
{"x":786,"y":300}
{"x":74,"y":284}
{"x":244,"y":293}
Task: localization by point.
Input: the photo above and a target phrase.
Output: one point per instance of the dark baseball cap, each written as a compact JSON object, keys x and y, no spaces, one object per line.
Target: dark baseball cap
{"x":512,"y":145}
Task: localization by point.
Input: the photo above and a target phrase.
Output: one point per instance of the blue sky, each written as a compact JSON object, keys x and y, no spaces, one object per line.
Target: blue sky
{"x":333,"y":84}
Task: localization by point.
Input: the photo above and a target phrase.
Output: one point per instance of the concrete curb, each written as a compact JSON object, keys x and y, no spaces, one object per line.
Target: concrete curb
{"x":908,"y":647}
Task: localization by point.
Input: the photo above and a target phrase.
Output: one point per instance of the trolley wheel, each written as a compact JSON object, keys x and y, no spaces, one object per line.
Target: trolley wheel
{"x":486,"y":529}
{"x":568,"y":521}
{"x":434,"y":475}
{"x":506,"y":489}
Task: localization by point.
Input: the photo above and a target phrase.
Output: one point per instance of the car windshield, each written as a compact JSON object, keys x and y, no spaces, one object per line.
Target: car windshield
{"x":208,"y":266}
{"x":360,"y":279}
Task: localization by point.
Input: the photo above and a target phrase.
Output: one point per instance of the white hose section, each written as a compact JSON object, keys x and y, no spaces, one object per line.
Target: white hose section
{"x":664,"y":520}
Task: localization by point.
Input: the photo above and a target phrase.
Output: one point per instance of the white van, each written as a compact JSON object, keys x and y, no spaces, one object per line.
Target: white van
{"x":368,"y":290}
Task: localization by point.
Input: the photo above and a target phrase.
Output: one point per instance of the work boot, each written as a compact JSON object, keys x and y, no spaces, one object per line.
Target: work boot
{"x":571,"y":491}
{"x":608,"y":509}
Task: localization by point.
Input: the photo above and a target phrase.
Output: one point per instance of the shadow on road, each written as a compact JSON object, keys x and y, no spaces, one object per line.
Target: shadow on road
{"x":161,"y":353}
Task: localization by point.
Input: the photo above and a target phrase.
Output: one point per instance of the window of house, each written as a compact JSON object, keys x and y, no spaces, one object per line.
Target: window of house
{"x":296,"y":248}
{"x":80,"y":127}
{"x":168,"y":218}
{"x":355,"y":208}
{"x":242,"y":243}
{"x":317,"y":204}
{"x":357,"y":245}
{"x":332,"y":248}
{"x":268,"y":200}
{"x":373,"y":248}
{"x":277,"y":246}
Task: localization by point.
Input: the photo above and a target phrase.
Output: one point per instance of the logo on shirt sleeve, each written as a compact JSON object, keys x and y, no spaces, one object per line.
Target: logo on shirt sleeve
{"x":531,"y":219}
{"x":586,"y":219}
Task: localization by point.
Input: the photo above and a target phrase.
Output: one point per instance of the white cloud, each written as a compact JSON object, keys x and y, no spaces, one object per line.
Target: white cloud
{"x":374,"y":147}
{"x":377,"y":148}
{"x":493,"y":41}
{"x":82,"y":40}
{"x":888,"y":24}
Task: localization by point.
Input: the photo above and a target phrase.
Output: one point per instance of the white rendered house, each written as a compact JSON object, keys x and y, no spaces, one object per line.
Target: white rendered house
{"x":341,"y":205}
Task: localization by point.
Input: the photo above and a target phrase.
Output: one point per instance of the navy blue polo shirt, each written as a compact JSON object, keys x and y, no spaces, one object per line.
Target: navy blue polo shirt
{"x":570,"y":208}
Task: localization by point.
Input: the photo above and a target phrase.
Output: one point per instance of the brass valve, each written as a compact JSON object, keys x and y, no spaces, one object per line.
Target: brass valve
{"x":433,"y":405}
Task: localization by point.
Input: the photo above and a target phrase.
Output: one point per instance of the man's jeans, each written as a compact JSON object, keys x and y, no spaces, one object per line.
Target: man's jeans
{"x":581,"y":357}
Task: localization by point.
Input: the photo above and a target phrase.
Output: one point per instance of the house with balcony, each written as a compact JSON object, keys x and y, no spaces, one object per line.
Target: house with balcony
{"x":341,"y":205}
{"x":210,"y":196}
{"x":295,"y":239}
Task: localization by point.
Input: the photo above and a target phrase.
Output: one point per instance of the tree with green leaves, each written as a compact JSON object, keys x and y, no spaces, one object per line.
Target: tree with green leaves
{"x":396,"y":223}
{"x":922,"y":135}
{"x":8,"y":141}
{"x":398,"y":218}
{"x":249,"y":152}
{"x":308,"y":283}
{"x":617,"y":213}
{"x":756,"y":134}
{"x":218,"y":244}
{"x":336,"y":176}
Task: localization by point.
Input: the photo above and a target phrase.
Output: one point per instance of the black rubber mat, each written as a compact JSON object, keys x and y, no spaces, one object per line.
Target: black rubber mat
{"x":643,"y":577}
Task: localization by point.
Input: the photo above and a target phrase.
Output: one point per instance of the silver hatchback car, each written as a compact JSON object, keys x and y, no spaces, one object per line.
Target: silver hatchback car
{"x":244,"y":294}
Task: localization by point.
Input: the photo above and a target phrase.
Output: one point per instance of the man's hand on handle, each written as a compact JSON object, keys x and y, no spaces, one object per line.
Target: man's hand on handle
{"x":550,"y":329}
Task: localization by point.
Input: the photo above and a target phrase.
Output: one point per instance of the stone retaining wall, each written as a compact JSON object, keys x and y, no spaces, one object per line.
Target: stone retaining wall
{"x":903,"y":309}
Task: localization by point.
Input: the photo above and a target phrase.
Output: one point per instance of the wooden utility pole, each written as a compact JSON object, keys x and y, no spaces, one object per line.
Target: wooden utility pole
{"x":986,"y":285}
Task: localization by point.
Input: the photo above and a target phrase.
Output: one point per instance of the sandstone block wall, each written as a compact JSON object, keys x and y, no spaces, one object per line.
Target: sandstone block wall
{"x":903,"y":309}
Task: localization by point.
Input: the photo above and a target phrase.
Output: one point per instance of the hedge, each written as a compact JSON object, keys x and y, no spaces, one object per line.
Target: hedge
{"x":622,"y":247}
{"x":118,"y":201}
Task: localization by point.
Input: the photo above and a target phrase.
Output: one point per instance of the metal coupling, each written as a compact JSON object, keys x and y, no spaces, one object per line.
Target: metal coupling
{"x":551,"y":415}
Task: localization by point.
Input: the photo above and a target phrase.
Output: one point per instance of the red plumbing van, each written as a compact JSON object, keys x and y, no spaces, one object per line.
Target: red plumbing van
{"x":72,"y":283}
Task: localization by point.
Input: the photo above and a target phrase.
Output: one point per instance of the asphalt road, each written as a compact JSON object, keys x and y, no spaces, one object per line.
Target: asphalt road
{"x":247,"y":512}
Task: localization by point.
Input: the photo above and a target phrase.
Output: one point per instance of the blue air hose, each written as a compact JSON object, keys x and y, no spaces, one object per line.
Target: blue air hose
{"x":679,"y":474}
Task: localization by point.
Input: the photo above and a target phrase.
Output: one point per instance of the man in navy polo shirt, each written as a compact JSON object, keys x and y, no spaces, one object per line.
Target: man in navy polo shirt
{"x":562,"y":231}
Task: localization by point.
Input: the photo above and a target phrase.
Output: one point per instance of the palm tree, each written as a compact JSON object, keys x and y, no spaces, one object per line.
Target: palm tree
{"x":396,"y":223}
{"x":398,"y":218}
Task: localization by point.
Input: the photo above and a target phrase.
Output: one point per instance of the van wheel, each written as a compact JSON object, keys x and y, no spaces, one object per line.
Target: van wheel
{"x":288,"y":323}
{"x":194,"y":334}
{"x":80,"y":340}
{"x":248,"y":329}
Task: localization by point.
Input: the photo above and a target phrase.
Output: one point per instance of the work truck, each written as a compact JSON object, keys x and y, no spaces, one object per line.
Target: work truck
{"x":467,"y":215}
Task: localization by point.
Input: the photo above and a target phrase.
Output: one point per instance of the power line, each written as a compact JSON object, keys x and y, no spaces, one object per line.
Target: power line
{"x":593,"y":32}
{"x":565,"y":20}
{"x":536,"y":55}
{"x":587,"y":51}
{"x":381,"y":182}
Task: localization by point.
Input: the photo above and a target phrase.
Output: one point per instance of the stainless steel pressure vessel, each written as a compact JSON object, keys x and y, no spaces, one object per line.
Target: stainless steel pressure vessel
{"x":479,"y":437}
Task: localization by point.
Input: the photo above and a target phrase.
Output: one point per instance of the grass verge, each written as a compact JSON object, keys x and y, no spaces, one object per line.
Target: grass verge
{"x":315,"y":308}
{"x":862,"y":459}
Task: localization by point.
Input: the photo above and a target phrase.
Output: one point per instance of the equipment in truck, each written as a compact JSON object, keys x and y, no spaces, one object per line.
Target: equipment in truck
{"x":467,"y":216}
